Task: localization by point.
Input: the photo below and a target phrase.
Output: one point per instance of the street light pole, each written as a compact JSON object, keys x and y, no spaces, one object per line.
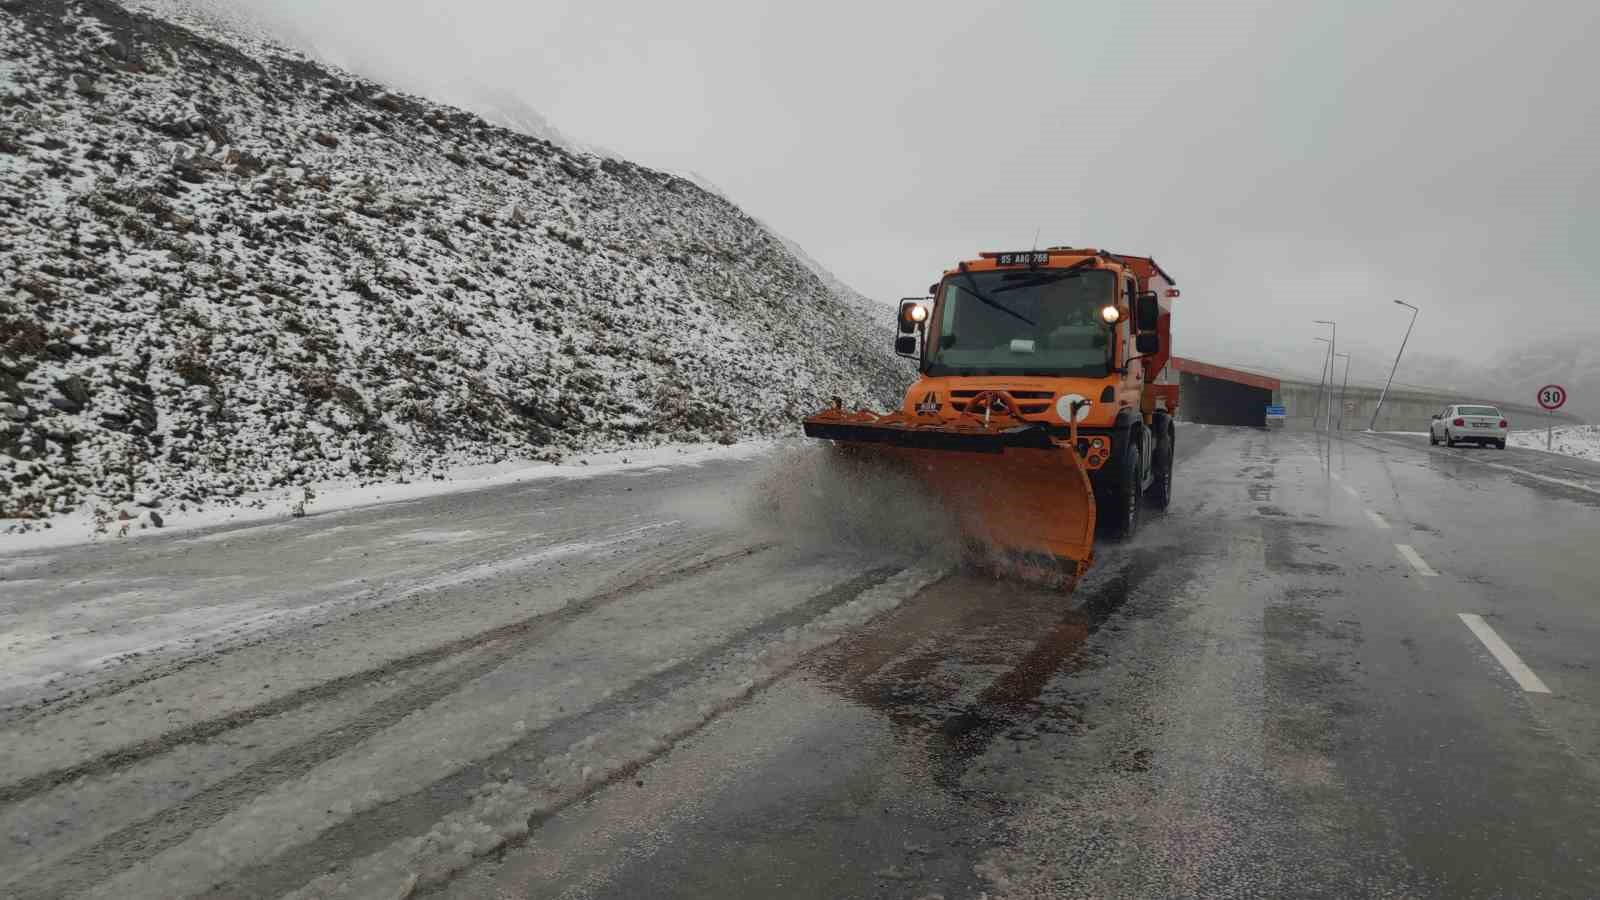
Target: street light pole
{"x":1384,"y":396}
{"x":1344,"y":389}
{"x":1333,"y":347}
{"x":1327,"y":370}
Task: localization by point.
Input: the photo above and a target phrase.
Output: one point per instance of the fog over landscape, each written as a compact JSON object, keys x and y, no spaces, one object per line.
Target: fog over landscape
{"x":474,"y":448}
{"x":1286,"y":162}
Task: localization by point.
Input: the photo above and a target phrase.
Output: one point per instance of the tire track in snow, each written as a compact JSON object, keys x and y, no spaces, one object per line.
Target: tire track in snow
{"x":414,"y":814}
{"x":110,"y":685}
{"x":148,"y":837}
{"x":517,"y":633}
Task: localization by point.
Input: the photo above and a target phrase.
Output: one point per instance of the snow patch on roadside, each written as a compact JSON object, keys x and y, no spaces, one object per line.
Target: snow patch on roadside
{"x":343,"y":495}
{"x":41,"y":657}
{"x":501,"y":812}
{"x":1580,"y":441}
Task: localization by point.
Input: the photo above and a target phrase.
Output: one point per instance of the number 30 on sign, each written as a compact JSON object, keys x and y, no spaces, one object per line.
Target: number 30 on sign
{"x":1552,"y":396}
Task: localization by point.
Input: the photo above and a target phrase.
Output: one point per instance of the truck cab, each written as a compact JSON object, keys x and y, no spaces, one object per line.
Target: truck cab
{"x":1077,"y":338}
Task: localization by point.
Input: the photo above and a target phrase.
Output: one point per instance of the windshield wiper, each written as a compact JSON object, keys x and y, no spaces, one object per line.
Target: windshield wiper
{"x":972,"y":288}
{"x":1048,"y":276}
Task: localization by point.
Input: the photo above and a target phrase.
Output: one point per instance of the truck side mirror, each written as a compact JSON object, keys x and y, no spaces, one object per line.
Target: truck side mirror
{"x":906,"y":345}
{"x":1148,"y":317}
{"x":1148,"y":343}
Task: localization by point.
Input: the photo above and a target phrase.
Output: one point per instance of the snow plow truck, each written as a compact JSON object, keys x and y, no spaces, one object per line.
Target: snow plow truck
{"x":1043,"y":403}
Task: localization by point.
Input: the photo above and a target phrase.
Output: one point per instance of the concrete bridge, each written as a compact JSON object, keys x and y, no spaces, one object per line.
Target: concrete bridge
{"x":1220,"y":395}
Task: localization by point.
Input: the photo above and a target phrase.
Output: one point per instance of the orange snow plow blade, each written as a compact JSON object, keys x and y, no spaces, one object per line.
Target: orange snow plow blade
{"x":1020,"y":495}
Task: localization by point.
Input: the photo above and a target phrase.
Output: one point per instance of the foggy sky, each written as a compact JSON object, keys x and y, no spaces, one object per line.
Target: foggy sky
{"x":1284,"y":162}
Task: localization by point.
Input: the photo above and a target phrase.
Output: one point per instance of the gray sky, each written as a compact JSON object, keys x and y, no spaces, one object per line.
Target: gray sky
{"x":1284,"y":161}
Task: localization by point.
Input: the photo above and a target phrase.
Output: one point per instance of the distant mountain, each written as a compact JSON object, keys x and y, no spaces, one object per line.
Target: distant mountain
{"x":1515,"y":375}
{"x":1511,"y":376}
{"x":1572,"y":361}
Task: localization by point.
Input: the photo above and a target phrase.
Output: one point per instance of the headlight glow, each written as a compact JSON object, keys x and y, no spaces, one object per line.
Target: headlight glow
{"x":919,"y":313}
{"x":1111,"y":314}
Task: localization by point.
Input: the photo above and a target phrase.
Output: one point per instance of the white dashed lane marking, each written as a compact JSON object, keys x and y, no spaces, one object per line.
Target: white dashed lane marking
{"x":1508,"y":658}
{"x":1377,"y":520}
{"x":1416,"y":560}
{"x":1351,"y":491}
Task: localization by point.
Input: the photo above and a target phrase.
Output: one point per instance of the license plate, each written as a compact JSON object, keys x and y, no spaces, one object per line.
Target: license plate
{"x":1027,"y":258}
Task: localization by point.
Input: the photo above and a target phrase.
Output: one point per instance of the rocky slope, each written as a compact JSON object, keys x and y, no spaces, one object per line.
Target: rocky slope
{"x":224,"y":267}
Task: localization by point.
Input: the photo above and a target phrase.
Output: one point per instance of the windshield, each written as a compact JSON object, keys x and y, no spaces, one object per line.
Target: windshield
{"x":1032,"y":322}
{"x":1489,"y":411}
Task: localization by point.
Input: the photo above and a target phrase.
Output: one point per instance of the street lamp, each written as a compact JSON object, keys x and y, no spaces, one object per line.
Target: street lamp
{"x":1333,"y":346}
{"x":1327,"y":370}
{"x":1345,"y":389}
{"x":1385,"y":394}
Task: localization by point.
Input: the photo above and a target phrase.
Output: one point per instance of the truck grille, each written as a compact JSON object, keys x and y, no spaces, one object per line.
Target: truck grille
{"x":1031,"y":403}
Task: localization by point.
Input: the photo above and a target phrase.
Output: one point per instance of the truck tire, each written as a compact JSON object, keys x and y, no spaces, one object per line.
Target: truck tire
{"x":1120,"y":512}
{"x":1159,"y":496}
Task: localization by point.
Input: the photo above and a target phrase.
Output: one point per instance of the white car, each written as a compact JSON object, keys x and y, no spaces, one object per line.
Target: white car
{"x":1469,"y":425}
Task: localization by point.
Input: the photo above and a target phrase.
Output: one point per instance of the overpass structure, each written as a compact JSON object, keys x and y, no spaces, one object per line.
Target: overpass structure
{"x":1220,"y":395}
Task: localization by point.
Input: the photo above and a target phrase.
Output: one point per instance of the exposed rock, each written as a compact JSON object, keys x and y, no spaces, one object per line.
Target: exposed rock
{"x":73,"y":395}
{"x":87,"y":86}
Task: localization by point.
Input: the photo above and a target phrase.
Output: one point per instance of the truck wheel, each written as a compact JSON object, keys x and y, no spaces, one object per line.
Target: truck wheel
{"x":1159,"y":496}
{"x":1121,"y":514}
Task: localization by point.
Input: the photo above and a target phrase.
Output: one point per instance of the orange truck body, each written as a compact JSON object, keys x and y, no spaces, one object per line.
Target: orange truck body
{"x":1024,"y":458}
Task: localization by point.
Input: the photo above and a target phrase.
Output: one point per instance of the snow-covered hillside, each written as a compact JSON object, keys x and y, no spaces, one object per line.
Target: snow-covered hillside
{"x":264,"y":27}
{"x":224,"y":267}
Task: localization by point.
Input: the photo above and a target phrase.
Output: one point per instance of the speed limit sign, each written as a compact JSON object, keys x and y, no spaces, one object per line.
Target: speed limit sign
{"x":1552,"y":396}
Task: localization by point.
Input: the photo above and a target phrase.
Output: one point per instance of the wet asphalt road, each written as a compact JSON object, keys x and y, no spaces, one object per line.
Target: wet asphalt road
{"x":1260,"y":697}
{"x":632,"y":686}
